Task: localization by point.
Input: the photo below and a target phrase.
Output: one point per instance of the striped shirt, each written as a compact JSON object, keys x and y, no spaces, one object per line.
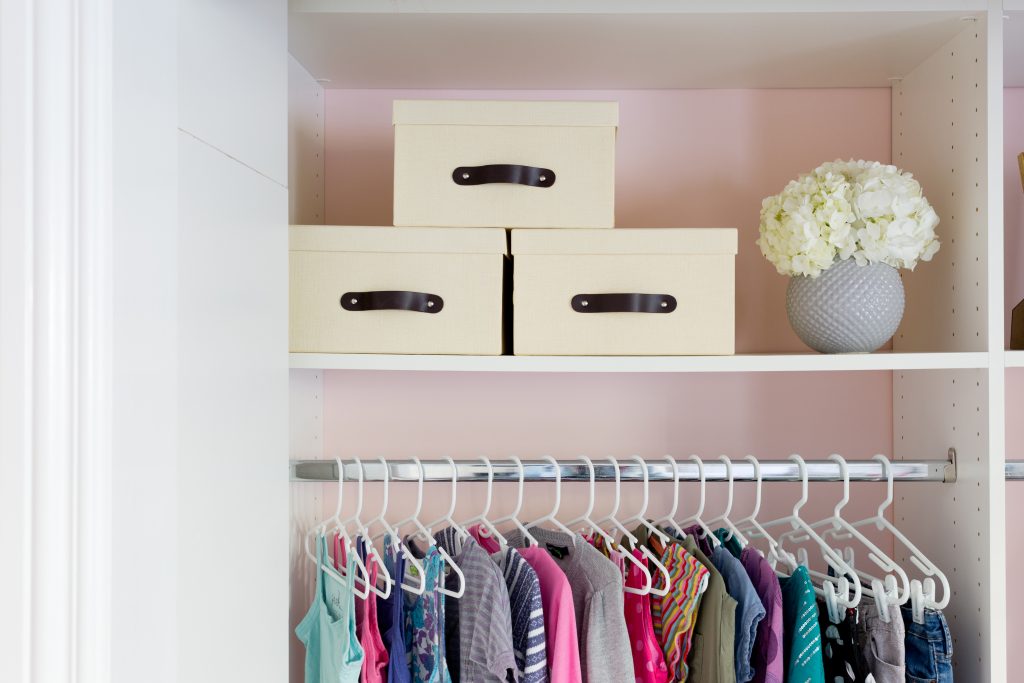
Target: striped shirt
{"x":482,"y":636}
{"x":528,"y":637}
{"x":675,"y":613}
{"x":801,"y":636}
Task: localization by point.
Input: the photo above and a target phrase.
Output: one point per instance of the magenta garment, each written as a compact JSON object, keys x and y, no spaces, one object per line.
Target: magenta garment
{"x":484,"y":538}
{"x":766,"y":658}
{"x":648,"y":659}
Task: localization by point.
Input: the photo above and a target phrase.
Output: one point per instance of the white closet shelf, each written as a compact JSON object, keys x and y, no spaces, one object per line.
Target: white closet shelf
{"x":1015,"y":359}
{"x":796,"y":362}
{"x":603,"y":44}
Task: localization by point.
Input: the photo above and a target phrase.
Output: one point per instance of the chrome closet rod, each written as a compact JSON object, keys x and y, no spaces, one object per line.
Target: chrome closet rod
{"x":1014,"y":470}
{"x":657,"y":469}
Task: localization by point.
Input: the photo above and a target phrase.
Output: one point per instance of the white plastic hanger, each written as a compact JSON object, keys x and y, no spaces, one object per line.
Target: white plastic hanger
{"x":651,"y":529}
{"x":669,"y":520}
{"x":393,"y":534}
{"x":389,"y":532}
{"x":486,"y":527}
{"x":552,"y":517}
{"x":628,"y":556}
{"x":925,"y":590}
{"x":724,"y":517}
{"x":449,"y":517}
{"x":364,"y":535}
{"x":696,"y":518}
{"x":424,"y":532}
{"x":321,"y":530}
{"x":883,"y":590}
{"x":775,"y":553}
{"x":844,"y":574}
{"x":514,"y":515}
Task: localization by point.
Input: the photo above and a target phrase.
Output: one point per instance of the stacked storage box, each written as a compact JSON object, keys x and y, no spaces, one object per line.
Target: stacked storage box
{"x":464,"y":173}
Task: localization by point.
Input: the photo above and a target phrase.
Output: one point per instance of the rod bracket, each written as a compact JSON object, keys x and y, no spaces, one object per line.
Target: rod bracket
{"x":949,"y":468}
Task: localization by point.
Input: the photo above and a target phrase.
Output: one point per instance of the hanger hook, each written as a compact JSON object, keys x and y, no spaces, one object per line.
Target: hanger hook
{"x":455,"y":485}
{"x":341,"y":488}
{"x":522,"y":481}
{"x":802,"y":466}
{"x":757,"y":478}
{"x":675,"y":487}
{"x":618,"y":487}
{"x":728,"y":475}
{"x":387,"y":486}
{"x":643,"y":470}
{"x":844,"y":472}
{"x":887,"y":470}
{"x":359,"y":495}
{"x":703,"y":484}
{"x":558,"y":485}
{"x":593,"y":478}
{"x":490,"y":485}
{"x":419,"y":487}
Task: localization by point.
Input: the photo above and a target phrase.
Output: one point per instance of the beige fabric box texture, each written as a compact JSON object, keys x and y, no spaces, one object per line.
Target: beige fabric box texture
{"x":505,"y":164}
{"x":396,"y":290}
{"x":663,"y":291}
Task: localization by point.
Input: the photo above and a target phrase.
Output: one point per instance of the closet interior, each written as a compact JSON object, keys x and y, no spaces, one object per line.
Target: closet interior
{"x":719,"y":108}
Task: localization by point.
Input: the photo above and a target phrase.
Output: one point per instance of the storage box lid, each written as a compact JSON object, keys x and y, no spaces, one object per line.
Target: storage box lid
{"x":383,"y":239}
{"x":504,"y":113}
{"x":626,"y":241}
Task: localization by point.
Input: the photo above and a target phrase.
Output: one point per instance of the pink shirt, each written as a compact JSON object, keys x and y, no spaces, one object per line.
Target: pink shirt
{"x":563,"y":647}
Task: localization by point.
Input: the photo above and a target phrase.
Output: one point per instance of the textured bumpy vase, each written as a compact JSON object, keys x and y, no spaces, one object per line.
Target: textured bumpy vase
{"x":848,"y":308}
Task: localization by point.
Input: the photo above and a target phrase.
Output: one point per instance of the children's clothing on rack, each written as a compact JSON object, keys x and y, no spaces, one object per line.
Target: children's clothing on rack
{"x":558,"y":612}
{"x":391,"y":611}
{"x":929,"y":647}
{"x":766,"y":657}
{"x":596,"y":585}
{"x":333,"y":653}
{"x":801,"y":632}
{"x":648,"y":659}
{"x":483,"y":638}
{"x":883,"y":643}
{"x":562,"y":640}
{"x":528,"y":637}
{"x":714,"y":641}
{"x":424,"y":620}
{"x":842,"y":657}
{"x":375,"y":654}
{"x":749,"y":610}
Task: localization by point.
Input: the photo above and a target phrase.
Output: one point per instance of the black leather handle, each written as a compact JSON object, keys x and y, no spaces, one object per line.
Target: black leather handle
{"x":419,"y":302}
{"x":623,"y":303}
{"x":504,"y":173}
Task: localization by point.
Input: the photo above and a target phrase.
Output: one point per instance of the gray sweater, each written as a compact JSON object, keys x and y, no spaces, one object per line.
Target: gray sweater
{"x":596,"y":583}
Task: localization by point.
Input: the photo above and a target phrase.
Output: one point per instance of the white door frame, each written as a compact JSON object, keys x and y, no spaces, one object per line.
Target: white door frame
{"x":55,"y":333}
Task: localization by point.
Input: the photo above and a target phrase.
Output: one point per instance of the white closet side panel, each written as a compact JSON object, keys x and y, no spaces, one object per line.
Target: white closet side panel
{"x":305,"y":146}
{"x":232,"y":63}
{"x":233,"y":420}
{"x":939,"y":134}
{"x":935,"y":410}
{"x":306,"y":411}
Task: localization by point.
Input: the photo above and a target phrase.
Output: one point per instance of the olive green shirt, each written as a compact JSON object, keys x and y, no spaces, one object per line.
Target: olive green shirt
{"x":713,"y":658}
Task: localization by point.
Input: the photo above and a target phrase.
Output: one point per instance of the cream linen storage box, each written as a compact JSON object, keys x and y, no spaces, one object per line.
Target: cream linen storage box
{"x":625,"y":292}
{"x":505,"y":164}
{"x":396,"y":290}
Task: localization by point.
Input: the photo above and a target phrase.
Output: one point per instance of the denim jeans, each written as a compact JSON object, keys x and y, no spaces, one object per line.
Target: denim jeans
{"x":929,"y":648}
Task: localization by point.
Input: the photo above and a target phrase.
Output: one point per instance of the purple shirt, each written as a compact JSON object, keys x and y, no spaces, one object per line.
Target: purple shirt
{"x":766,"y":658}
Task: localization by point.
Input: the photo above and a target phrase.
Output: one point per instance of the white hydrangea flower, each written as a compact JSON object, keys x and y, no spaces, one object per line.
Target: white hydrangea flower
{"x":871,"y":212}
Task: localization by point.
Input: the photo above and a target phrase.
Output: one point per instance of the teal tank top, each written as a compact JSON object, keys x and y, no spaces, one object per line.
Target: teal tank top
{"x":333,"y":653}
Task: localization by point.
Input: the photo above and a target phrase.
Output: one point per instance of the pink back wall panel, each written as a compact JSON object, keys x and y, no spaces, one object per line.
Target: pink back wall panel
{"x":1014,"y":501}
{"x":685,"y":158}
{"x":469,"y":415}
